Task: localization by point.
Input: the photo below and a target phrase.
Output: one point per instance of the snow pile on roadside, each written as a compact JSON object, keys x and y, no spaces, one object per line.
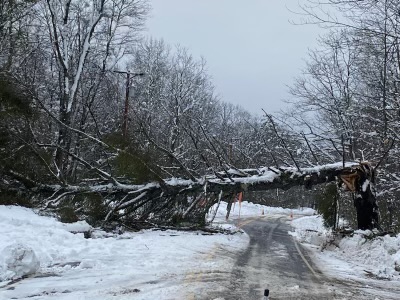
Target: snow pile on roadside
{"x":248,"y":209}
{"x":29,"y":241}
{"x":151,"y":264}
{"x":311,"y":230}
{"x":16,"y":261}
{"x":357,"y":254}
{"x":380,"y":255}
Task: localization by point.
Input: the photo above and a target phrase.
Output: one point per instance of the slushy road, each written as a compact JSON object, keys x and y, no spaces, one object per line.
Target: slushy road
{"x":274,"y":260}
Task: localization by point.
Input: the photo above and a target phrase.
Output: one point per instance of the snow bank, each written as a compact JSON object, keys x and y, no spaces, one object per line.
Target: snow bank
{"x":146,"y":265}
{"x":17,"y":260}
{"x":311,"y":230}
{"x":248,"y":209}
{"x":29,"y":241}
{"x":48,"y":240}
{"x":357,"y":254}
{"x":380,"y":256}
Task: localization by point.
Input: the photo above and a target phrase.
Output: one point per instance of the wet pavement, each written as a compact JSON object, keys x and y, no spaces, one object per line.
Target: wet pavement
{"x":275,"y":261}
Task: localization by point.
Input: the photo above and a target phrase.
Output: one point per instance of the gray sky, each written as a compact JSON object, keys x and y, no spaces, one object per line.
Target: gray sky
{"x":251,"y":49}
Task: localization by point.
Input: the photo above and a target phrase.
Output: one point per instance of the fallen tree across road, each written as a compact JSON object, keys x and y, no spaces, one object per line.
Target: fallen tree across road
{"x":177,"y":201}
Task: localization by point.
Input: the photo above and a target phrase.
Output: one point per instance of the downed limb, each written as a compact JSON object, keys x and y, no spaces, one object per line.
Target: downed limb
{"x":182,"y":201}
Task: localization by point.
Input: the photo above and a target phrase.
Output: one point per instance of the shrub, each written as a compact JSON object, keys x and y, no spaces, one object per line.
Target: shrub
{"x":327,"y":204}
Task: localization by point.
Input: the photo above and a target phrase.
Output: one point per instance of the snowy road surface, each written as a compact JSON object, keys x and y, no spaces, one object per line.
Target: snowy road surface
{"x":171,"y":265}
{"x":274,"y":260}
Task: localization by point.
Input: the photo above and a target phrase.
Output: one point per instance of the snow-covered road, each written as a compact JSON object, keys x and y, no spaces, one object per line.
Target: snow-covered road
{"x":168,"y":264}
{"x":275,"y":260}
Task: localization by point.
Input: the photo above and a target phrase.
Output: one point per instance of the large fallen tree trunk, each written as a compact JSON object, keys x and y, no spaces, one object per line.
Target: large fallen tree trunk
{"x":360,"y":180}
{"x":176,"y":201}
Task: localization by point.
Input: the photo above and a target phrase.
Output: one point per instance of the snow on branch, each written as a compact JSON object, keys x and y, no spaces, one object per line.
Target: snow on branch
{"x":177,"y":200}
{"x":230,"y":181}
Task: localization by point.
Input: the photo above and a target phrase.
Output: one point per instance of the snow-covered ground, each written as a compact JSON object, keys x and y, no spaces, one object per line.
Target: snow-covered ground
{"x":62,"y":265}
{"x":248,"y":209}
{"x":350,"y":257}
{"x":164,"y":265}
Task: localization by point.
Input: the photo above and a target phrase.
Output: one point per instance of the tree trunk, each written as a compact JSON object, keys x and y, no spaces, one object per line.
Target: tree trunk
{"x":164,"y":202}
{"x":365,"y":200}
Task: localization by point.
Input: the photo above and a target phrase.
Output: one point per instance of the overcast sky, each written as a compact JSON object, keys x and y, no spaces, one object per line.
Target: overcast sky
{"x":252,"y":50}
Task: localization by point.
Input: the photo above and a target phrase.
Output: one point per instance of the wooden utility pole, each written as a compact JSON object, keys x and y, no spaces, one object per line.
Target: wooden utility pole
{"x":126,"y":105}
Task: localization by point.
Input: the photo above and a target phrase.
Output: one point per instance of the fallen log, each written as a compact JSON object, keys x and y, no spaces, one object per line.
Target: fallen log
{"x":175,"y":200}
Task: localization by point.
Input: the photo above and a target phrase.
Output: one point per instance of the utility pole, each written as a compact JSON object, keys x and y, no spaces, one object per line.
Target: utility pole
{"x":126,"y":106}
